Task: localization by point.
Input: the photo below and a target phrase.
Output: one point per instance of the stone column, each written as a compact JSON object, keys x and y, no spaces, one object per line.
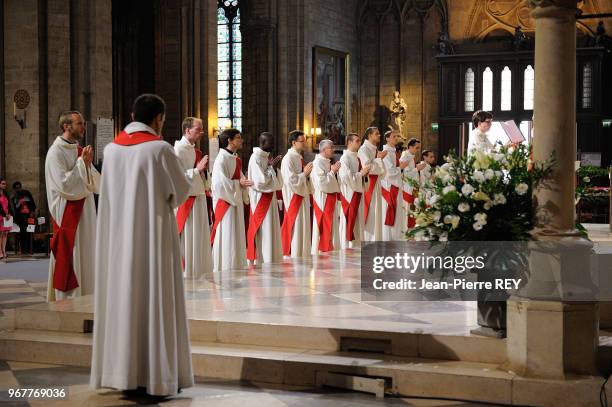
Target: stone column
{"x":555,"y":111}
{"x":547,"y":335}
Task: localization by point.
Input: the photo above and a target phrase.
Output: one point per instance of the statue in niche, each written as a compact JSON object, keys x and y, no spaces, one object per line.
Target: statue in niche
{"x":445,"y":46}
{"x":398,"y":109}
{"x":601,"y":39}
{"x":520,"y":40}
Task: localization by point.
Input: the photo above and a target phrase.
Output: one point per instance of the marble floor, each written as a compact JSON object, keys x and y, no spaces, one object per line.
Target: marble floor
{"x":321,"y":291}
{"x":209,"y":393}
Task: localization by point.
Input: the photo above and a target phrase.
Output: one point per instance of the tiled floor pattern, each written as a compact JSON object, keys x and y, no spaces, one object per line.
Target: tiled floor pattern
{"x":205,"y":393}
{"x":16,"y":293}
{"x":23,"y":281}
{"x":318,"y":292}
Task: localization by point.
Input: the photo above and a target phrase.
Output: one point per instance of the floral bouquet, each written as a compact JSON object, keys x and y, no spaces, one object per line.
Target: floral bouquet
{"x":480,"y":197}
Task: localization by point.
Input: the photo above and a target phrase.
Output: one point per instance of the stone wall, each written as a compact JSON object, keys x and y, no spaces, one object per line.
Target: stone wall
{"x":62,"y":58}
{"x":21,"y":71}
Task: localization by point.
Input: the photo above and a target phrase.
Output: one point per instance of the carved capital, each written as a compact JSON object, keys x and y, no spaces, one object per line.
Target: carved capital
{"x":569,"y":4}
{"x":558,"y":9}
{"x":554,"y":8}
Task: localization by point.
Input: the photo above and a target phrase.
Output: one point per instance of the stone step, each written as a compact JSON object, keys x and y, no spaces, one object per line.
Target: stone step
{"x":420,"y":377}
{"x":295,"y":334}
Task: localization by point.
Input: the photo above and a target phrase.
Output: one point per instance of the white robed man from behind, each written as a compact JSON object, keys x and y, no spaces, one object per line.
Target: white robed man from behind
{"x":263,"y":235}
{"x":372,"y":196}
{"x":192,"y":215}
{"x":296,"y":228}
{"x":351,"y":177}
{"x":393,"y":213}
{"x":229,"y":196}
{"x":324,"y":178}
{"x":71,"y":181}
{"x":410,"y":178}
{"x":141,"y":337}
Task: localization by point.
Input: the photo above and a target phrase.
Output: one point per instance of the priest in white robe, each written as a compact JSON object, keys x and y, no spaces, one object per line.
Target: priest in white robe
{"x":71,"y":181}
{"x":229,"y":197}
{"x":141,"y":337}
{"x":428,"y":163}
{"x":192,"y":215}
{"x":324,"y":178}
{"x":263,"y":235}
{"x":410,"y":177}
{"x":351,"y":177}
{"x":372,"y":196}
{"x":296,"y":228}
{"x":479,"y":138}
{"x":393,"y":214}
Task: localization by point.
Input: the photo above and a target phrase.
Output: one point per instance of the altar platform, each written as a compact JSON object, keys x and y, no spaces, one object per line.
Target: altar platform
{"x":302,"y":323}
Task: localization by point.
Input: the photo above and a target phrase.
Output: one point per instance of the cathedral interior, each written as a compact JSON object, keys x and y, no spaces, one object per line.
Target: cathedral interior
{"x":328,"y":68}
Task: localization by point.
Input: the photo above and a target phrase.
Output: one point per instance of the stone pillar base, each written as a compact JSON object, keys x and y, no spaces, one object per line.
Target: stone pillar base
{"x":550,"y":339}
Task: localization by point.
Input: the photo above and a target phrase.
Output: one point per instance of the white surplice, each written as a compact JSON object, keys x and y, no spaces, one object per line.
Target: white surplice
{"x":296,"y":182}
{"x":351,"y":182}
{"x":479,"y":141}
{"x":372,"y":230}
{"x":426,"y":175}
{"x":195,"y":239}
{"x":393,"y":177}
{"x":229,"y":247}
{"x":141,"y":338}
{"x":265,"y":180}
{"x":66,"y":179}
{"x":410,"y":172}
{"x":324,"y":183}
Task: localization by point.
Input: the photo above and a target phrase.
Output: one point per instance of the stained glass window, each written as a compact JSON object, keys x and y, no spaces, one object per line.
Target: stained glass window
{"x":469,"y":90}
{"x":506,"y":89}
{"x":587,"y":84}
{"x":529,"y":76}
{"x":487,"y":89}
{"x":229,"y":63}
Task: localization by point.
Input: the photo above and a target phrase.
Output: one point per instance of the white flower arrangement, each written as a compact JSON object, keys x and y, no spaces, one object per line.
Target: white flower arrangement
{"x":482,"y":196}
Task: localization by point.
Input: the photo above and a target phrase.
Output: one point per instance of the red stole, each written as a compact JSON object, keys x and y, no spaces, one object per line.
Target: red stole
{"x":350,"y":211}
{"x":390,"y":197}
{"x":325,"y":222}
{"x":289,"y":221}
{"x":62,"y":244}
{"x":185,"y":209}
{"x":368,"y":195}
{"x":222,"y":206}
{"x":138,"y":137}
{"x":255,"y":222}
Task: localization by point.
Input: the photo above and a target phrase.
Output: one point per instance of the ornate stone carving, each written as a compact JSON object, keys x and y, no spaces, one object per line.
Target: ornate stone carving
{"x":491,"y":15}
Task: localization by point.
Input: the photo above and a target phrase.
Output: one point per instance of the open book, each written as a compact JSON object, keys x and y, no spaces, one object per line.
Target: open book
{"x":512,"y":131}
